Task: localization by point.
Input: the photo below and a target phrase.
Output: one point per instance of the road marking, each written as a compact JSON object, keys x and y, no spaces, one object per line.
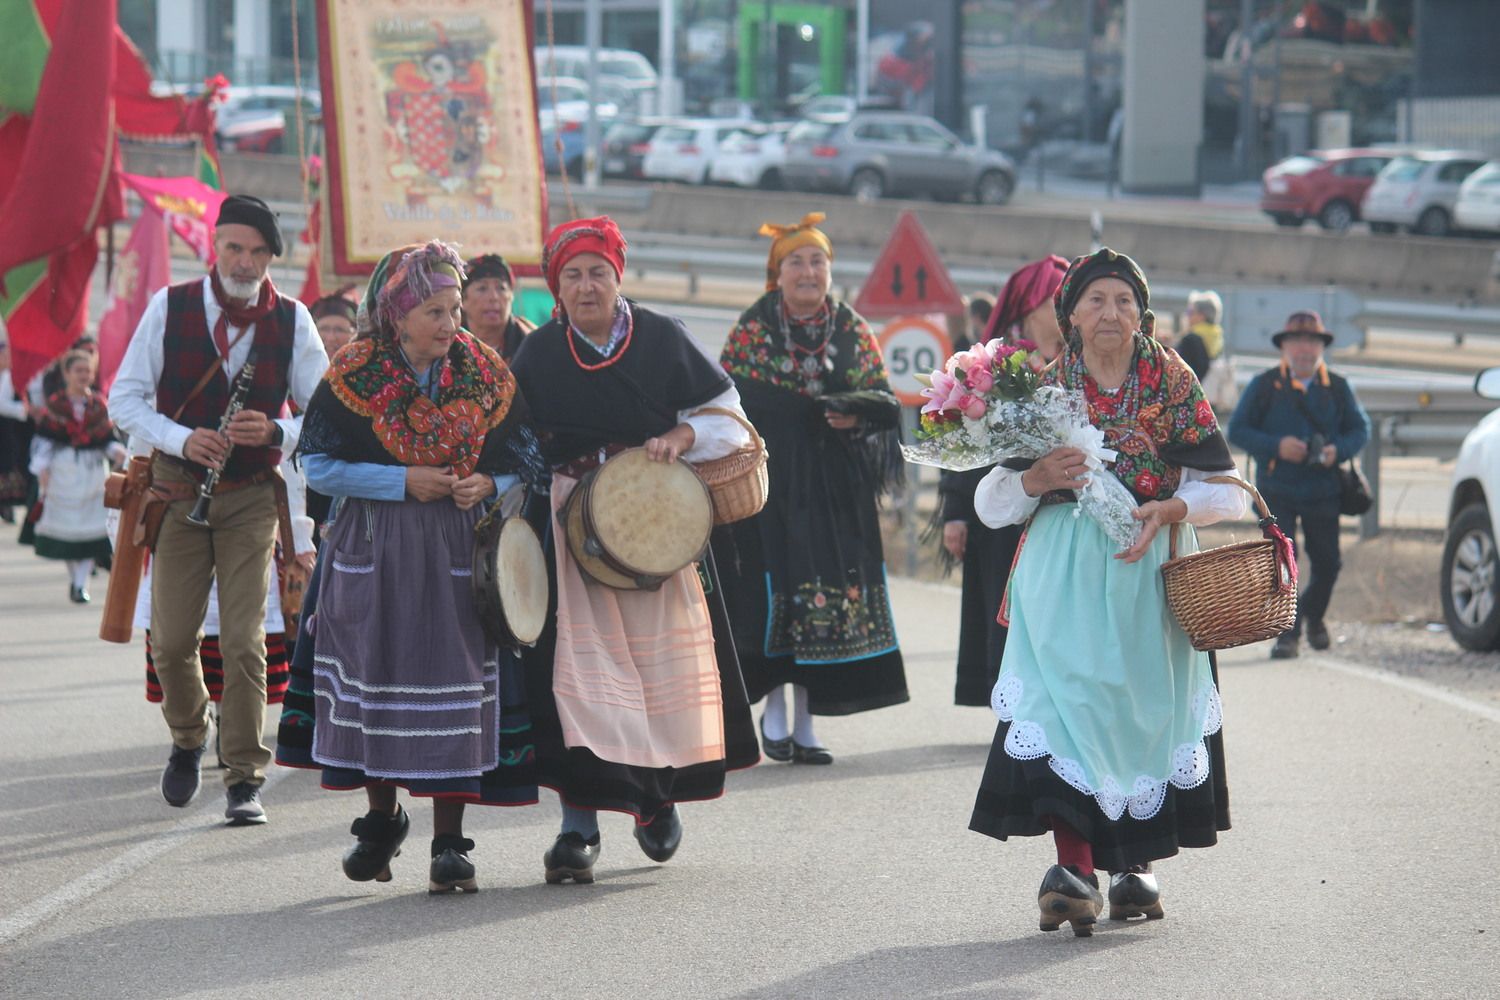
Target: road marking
{"x":117,"y":869}
{"x":1424,"y":688}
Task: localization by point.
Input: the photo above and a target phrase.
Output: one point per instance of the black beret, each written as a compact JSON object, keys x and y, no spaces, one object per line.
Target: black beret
{"x":248,"y":210}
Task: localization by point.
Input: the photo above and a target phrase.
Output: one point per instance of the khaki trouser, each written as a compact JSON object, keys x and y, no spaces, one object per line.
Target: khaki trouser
{"x":237,"y":548}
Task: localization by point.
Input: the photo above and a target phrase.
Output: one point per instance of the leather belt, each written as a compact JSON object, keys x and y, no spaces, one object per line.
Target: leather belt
{"x":583,"y":464}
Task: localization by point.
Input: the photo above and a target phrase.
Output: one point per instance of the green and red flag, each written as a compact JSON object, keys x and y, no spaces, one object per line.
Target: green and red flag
{"x":70,"y":84}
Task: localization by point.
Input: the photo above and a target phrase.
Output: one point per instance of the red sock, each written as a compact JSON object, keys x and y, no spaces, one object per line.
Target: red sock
{"x":1072,"y":849}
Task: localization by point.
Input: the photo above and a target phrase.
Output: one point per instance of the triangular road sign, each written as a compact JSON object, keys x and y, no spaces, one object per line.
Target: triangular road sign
{"x":909,"y":277}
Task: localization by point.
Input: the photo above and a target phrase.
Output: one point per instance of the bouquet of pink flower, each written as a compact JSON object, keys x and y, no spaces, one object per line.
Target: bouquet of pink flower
{"x":987,"y":404}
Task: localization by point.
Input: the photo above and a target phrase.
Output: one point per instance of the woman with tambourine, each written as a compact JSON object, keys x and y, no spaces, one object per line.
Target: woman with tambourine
{"x":808,"y":597}
{"x":415,"y":427}
{"x":636,"y":697}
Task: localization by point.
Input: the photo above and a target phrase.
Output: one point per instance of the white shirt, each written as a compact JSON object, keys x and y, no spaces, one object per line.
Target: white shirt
{"x":10,"y":406}
{"x":715,"y":436}
{"x":132,"y":399}
{"x":1000,"y":499}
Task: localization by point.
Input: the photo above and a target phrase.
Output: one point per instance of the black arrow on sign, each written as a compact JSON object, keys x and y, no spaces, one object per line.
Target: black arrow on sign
{"x":896,"y":280}
{"x":921,"y":283}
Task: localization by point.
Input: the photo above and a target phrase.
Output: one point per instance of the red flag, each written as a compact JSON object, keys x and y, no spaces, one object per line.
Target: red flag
{"x":47,"y":305}
{"x":65,"y":185}
{"x":190,"y":206}
{"x":140,"y":269}
{"x":312,"y":284}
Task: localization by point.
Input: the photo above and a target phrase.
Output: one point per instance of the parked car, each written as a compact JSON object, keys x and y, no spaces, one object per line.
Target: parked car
{"x":873,"y":154}
{"x":683,"y":150}
{"x":1478,"y":204}
{"x":563,"y":99}
{"x":625,"y":146}
{"x":751,"y":157}
{"x":261,"y":119}
{"x":573,"y":146}
{"x":622,"y":68}
{"x":1323,"y":184}
{"x":1417,"y":191}
{"x":1470,"y":575}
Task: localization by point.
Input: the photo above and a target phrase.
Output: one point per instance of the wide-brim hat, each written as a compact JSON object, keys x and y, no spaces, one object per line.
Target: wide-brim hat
{"x":1303,"y":323}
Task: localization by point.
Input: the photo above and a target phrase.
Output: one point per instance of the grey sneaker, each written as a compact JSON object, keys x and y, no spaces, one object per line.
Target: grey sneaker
{"x":179,"y":782}
{"x":244,"y":805}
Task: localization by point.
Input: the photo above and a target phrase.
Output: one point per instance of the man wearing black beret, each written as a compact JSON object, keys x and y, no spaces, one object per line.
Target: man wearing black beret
{"x":173,"y":389}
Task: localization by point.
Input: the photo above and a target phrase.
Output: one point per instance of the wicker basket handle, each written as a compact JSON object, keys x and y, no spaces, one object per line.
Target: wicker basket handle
{"x":724,"y":412}
{"x":1260,"y":507}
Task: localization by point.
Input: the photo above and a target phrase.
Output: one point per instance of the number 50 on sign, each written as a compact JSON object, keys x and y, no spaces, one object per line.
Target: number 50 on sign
{"x":913,"y":345}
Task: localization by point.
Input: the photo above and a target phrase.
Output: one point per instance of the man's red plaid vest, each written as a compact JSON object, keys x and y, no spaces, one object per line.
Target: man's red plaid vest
{"x":187,"y":351}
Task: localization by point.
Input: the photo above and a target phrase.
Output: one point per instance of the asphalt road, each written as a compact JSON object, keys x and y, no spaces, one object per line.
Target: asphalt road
{"x":1362,"y":862}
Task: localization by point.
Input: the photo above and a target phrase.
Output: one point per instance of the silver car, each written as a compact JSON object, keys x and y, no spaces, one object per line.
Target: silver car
{"x":874,"y":154}
{"x":1417,"y":191}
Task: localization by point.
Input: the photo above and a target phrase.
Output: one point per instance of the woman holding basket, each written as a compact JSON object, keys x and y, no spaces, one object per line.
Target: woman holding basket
{"x":1109,"y":731}
{"x":636,"y":696}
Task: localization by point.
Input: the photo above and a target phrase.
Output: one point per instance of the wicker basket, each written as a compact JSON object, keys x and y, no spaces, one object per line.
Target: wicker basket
{"x":1235,"y":594}
{"x":737,"y":482}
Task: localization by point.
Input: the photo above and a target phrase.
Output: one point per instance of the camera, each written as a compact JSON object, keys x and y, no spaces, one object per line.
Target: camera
{"x":1315,"y":446}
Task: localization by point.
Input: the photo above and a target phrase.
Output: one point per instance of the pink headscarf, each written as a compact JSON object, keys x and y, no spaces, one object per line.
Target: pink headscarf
{"x":1028,"y":289}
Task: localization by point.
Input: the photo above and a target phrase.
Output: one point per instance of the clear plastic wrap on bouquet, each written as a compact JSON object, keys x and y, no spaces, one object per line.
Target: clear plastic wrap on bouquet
{"x":1030,"y":428}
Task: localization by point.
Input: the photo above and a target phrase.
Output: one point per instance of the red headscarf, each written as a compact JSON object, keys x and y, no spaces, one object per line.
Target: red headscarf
{"x":1028,"y":289}
{"x":598,"y":235}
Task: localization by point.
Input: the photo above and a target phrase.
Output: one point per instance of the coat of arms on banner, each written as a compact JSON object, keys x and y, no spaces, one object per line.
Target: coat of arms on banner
{"x":438,"y":108}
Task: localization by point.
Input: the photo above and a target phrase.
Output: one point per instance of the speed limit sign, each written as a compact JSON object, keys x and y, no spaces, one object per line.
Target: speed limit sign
{"x":913,"y":345}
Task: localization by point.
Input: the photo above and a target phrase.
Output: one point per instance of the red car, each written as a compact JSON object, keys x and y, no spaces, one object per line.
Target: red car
{"x":1323,"y":184}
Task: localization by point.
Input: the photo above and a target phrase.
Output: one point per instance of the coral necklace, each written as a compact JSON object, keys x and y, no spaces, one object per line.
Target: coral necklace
{"x":616,"y":356}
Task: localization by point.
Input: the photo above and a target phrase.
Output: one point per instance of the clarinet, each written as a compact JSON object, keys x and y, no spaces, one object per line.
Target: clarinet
{"x":237,"y":395}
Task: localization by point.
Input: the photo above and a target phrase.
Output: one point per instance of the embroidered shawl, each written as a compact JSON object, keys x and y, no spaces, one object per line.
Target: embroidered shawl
{"x":1158,"y":421}
{"x":56,"y":422}
{"x":475,"y":390}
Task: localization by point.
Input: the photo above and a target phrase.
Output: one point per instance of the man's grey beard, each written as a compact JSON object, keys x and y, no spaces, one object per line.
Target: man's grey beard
{"x":235,"y":289}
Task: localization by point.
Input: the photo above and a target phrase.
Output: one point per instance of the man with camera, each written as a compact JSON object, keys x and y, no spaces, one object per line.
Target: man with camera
{"x":1298,"y":421}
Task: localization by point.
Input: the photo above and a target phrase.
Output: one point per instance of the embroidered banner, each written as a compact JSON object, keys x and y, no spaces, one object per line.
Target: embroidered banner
{"x":430,"y":119}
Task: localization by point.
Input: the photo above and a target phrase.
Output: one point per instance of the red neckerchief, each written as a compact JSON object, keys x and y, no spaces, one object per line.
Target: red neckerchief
{"x":242,"y":317}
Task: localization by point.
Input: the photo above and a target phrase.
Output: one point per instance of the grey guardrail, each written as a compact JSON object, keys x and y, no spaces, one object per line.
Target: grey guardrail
{"x":1451,"y":270}
{"x":698,"y":256}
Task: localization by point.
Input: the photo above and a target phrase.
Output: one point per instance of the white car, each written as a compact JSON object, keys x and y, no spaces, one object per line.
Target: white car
{"x":751,"y":157}
{"x":1417,"y":191}
{"x":620,"y":68}
{"x":1478,"y":205}
{"x":684,"y":150}
{"x":1470,"y":578}
{"x":564,"y":99}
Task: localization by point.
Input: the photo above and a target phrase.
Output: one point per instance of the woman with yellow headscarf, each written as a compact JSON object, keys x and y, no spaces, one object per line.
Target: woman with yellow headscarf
{"x":807,"y":595}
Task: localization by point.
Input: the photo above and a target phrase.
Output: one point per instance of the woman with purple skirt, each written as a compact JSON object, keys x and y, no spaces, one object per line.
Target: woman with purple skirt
{"x":415,"y":428}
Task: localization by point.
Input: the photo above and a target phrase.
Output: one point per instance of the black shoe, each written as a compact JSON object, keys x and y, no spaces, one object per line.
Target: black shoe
{"x":451,"y":868}
{"x":1285,"y":648}
{"x":78,"y":595}
{"x":1069,"y":896}
{"x":380,"y":838}
{"x":571,"y":857}
{"x":1134,"y":893}
{"x":775,"y":749}
{"x":244,"y":808}
{"x":660,"y":838}
{"x":179,"y":782}
{"x":810,"y":755}
{"x":1317,"y":635}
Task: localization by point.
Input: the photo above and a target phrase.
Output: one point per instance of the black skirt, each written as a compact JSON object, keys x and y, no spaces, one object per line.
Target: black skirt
{"x":1018,"y":799}
{"x":988,"y":555}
